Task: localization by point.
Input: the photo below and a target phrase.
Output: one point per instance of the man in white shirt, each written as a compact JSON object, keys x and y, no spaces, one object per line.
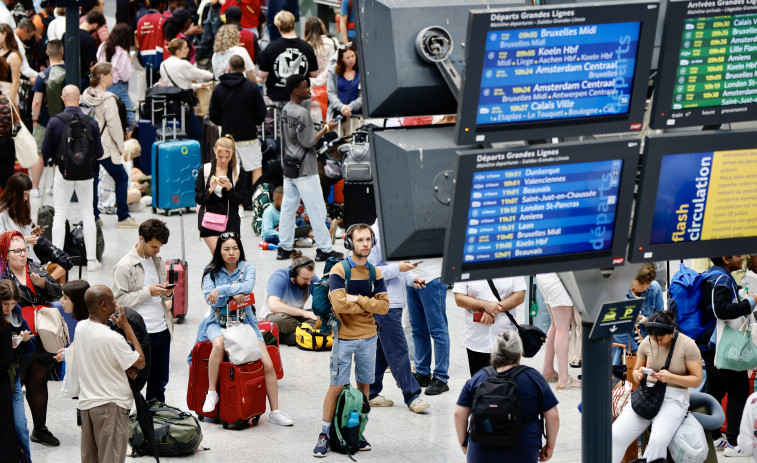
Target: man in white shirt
{"x":25,"y":31}
{"x":5,"y":14}
{"x":139,"y":283}
{"x":102,"y":361}
{"x":485,"y":314}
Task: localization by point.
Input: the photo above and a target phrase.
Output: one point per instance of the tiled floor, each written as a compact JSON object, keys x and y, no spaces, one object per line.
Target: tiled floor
{"x":396,"y":434}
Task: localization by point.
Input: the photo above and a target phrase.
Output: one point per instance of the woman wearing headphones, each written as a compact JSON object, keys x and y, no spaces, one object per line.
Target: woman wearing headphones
{"x":229,"y":276}
{"x":669,"y":357}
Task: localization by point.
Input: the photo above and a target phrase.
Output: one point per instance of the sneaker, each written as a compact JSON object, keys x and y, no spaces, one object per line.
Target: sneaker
{"x":423,"y":380}
{"x":128,"y":222}
{"x":34,"y":193}
{"x":418,"y":405}
{"x":304,"y":242}
{"x":93,"y":265}
{"x":241,"y":212}
{"x":731,"y":451}
{"x":211,"y":400}
{"x":136,"y":207}
{"x":283,"y":254}
{"x":321,"y":256}
{"x":380,"y":401}
{"x":720,"y":444}
{"x":322,"y":447}
{"x":45,"y":437}
{"x":146,"y":200}
{"x":436,"y":387}
{"x":364,"y":445}
{"x":280,"y":418}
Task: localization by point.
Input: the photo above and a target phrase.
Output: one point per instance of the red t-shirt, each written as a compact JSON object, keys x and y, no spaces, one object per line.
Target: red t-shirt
{"x":247,"y":41}
{"x":150,"y":32}
{"x":250,"y":12}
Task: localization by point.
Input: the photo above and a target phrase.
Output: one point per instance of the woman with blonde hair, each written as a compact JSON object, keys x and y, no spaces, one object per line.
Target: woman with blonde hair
{"x":9,"y":51}
{"x":226,"y":46}
{"x":215,"y":192}
{"x":105,"y":111}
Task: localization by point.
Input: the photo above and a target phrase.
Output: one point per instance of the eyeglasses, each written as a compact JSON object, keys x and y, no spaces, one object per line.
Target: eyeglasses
{"x":19,"y":251}
{"x":227,"y":235}
{"x":345,"y":46}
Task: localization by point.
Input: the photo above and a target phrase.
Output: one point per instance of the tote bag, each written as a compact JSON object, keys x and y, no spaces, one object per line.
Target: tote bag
{"x":26,"y":146}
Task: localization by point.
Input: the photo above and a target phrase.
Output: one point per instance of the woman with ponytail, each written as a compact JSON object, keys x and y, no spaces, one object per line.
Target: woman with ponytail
{"x":216,"y":193}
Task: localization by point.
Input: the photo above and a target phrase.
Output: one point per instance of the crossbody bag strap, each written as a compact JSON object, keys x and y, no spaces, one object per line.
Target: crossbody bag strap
{"x":496,"y":295}
{"x":163,"y":67}
{"x":670,"y":354}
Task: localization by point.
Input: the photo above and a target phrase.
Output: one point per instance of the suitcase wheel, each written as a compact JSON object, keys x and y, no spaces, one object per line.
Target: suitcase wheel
{"x":154,"y":209}
{"x":256,"y":420}
{"x":225,"y":425}
{"x":180,"y":319}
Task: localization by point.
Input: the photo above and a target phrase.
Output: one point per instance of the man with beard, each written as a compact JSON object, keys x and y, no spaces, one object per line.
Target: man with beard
{"x":354,"y":306}
{"x":288,"y":290}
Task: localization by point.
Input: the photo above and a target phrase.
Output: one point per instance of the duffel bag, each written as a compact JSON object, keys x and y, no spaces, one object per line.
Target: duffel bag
{"x":309,"y":339}
{"x":176,"y":432}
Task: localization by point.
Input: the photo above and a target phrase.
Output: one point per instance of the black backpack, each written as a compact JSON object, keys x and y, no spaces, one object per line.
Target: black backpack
{"x":77,"y":154}
{"x":496,"y":417}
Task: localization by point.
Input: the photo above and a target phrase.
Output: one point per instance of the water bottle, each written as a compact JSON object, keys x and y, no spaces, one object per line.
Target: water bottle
{"x":353,"y":420}
{"x":264,"y":245}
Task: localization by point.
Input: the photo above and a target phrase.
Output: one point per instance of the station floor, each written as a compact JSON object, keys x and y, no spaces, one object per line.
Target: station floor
{"x":395,"y":433}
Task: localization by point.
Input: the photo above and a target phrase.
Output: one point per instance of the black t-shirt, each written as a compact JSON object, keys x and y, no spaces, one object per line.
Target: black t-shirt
{"x":283,"y":58}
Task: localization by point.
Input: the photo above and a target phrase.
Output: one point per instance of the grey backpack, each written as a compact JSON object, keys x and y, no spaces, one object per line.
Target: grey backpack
{"x":357,"y":162}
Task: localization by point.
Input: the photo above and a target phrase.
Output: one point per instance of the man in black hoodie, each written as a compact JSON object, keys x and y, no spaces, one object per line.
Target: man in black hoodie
{"x":237,"y":106}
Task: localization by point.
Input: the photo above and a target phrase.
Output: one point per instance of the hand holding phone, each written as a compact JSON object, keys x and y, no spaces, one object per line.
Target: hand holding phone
{"x":417,"y":263}
{"x":648,"y":371}
{"x":171,"y":286}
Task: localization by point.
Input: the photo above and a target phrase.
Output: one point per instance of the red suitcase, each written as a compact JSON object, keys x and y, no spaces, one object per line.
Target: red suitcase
{"x":243,"y":394}
{"x":197,"y":388}
{"x":176,"y":273}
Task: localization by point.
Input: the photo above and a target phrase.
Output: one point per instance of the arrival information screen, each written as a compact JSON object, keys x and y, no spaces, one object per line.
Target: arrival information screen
{"x":538,"y":211}
{"x":557,"y":73}
{"x":717,"y":62}
{"x":706,"y":196}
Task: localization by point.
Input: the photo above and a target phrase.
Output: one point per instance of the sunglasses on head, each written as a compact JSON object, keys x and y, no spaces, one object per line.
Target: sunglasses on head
{"x":345,"y":46}
{"x":227,"y":235}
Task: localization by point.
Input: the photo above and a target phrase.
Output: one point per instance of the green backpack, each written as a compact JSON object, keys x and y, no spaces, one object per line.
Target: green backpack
{"x":261,"y":198}
{"x":176,"y":432}
{"x":321,"y":302}
{"x":345,"y":435}
{"x":56,"y":80}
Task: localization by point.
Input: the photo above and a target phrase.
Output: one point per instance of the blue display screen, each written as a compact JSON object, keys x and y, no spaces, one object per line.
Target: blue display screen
{"x":553,"y":73}
{"x":531,"y":212}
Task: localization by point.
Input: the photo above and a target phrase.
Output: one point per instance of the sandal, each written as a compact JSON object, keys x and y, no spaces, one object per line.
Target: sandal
{"x":552,"y":378}
{"x":572,"y":384}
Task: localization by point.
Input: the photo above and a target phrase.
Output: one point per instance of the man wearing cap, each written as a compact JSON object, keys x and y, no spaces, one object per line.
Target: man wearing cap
{"x":247,"y":39}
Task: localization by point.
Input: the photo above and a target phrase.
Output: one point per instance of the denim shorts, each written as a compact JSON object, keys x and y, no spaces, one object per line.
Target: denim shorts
{"x":364,"y":351}
{"x":214,"y":330}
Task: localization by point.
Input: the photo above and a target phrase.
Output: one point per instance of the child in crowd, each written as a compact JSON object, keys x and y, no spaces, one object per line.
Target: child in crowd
{"x":271,"y":216}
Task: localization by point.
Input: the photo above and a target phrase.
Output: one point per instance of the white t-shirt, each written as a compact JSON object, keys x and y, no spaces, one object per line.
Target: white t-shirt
{"x":479,"y":337}
{"x":220,"y":60}
{"x":152,"y":310}
{"x":429,"y":269}
{"x":102,"y":358}
{"x":555,"y":294}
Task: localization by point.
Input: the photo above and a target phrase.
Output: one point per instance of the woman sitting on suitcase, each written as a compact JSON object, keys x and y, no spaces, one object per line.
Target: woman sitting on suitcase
{"x":216,"y":194}
{"x":228,"y":277}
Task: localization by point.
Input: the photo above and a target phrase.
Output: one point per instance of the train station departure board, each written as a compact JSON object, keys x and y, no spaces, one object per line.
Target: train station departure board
{"x":543,"y":72}
{"x":561,"y":205}
{"x":708,"y":66}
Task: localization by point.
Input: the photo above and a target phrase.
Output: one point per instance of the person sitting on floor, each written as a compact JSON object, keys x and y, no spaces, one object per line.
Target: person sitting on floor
{"x":288,"y":290}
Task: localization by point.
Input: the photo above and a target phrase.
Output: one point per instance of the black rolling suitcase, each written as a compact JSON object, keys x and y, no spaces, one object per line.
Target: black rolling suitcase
{"x":359,"y":203}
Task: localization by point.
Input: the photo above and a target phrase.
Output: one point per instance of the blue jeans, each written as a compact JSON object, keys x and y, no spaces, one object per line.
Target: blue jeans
{"x":209,"y":30}
{"x":391,"y":351}
{"x":428,"y":318}
{"x":19,"y":417}
{"x":121,"y":90}
{"x":160,"y":348}
{"x":119,"y":174}
{"x":364,"y":351}
{"x":309,"y":189}
{"x":272,"y":239}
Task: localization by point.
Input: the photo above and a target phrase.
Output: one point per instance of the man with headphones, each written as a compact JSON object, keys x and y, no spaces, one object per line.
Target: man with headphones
{"x":288,"y":290}
{"x":139,"y":283}
{"x":354,"y":306}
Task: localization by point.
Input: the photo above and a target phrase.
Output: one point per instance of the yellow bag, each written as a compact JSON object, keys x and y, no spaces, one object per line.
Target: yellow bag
{"x":310,"y":339}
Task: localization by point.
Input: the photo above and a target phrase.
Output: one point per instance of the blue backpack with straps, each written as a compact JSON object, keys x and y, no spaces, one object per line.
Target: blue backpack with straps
{"x":684,"y":297}
{"x":321,"y":302}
